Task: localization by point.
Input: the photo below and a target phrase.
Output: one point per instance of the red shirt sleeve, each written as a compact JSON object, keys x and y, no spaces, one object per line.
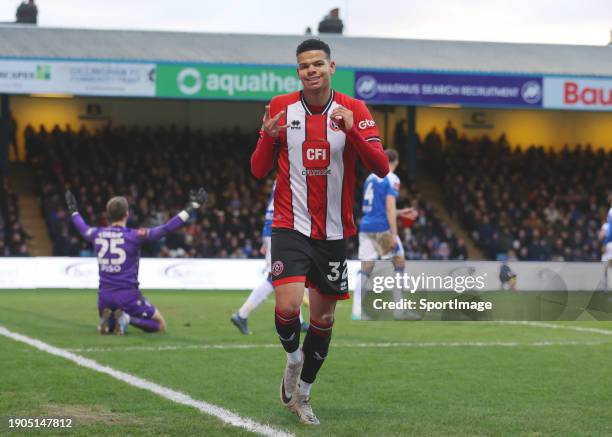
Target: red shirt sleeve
{"x":366,"y":139}
{"x":262,"y":160}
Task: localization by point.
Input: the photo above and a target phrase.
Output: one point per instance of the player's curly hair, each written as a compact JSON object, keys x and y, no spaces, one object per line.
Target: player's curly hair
{"x":117,"y":208}
{"x":313,"y":44}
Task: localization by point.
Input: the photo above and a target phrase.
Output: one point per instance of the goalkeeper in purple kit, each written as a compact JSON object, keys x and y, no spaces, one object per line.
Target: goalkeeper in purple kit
{"x":120,"y":302}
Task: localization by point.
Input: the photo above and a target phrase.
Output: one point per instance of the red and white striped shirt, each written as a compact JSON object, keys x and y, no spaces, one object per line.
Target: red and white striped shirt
{"x":315,"y":185}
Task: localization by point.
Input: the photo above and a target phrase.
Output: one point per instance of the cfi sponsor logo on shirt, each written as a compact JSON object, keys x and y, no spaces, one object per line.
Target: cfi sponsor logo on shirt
{"x":316,"y":158}
{"x":316,"y":153}
{"x":364,"y":124}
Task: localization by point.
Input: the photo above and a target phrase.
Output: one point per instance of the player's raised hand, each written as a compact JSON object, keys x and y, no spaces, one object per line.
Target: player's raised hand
{"x":71,"y":202}
{"x":409,"y":213}
{"x":270,"y":124}
{"x":196,"y":199}
{"x":343,"y":117}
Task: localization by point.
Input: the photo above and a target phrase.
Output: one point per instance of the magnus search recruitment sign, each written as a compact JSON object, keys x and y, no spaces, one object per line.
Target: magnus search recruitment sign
{"x":463,"y":89}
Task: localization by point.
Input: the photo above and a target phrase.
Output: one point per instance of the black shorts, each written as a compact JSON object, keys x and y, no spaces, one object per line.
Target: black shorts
{"x":320,"y":264}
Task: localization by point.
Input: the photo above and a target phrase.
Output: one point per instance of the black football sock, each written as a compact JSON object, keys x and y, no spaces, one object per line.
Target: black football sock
{"x":288,"y":329}
{"x":315,"y":348}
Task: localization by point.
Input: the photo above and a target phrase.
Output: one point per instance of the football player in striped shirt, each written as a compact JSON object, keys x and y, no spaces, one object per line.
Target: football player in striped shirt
{"x":314,"y":137}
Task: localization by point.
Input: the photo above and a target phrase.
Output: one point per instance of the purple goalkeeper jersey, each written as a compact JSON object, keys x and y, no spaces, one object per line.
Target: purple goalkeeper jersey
{"x":118,"y":250}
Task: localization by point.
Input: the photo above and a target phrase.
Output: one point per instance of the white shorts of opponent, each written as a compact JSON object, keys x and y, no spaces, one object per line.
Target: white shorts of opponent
{"x":369,"y":249}
{"x":607,"y":255}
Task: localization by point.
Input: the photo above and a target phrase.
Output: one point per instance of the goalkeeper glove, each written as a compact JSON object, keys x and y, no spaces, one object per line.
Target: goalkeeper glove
{"x":71,"y":202}
{"x":196,"y":199}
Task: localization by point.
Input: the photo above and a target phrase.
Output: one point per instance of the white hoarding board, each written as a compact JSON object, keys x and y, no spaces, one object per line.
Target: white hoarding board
{"x":232,"y":274}
{"x":79,"y":78}
{"x":577,"y":94}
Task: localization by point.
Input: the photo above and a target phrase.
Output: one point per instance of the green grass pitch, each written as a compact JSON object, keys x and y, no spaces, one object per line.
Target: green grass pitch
{"x":519,"y":379}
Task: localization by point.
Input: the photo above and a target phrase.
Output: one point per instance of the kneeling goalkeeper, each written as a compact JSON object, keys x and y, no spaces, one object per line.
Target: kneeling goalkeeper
{"x":120,"y":302}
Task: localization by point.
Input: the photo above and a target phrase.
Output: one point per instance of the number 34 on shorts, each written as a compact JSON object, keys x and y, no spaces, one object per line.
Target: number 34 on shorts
{"x":337,"y":271}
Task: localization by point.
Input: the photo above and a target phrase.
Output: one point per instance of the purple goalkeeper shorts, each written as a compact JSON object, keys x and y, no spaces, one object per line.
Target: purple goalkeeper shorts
{"x":131,"y":302}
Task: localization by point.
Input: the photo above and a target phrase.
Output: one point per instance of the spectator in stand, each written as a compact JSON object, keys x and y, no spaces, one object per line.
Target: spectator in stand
{"x":450,"y":133}
{"x":13,"y":237}
{"x":433,"y":139}
{"x":13,"y":136}
{"x":27,"y":13}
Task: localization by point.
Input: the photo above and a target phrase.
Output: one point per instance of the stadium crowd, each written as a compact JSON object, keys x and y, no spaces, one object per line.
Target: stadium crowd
{"x":12,"y":235}
{"x":428,"y":237}
{"x":155,"y":168}
{"x":523,"y":203}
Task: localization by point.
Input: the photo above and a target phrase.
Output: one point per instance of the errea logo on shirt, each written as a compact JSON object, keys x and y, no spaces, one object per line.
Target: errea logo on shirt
{"x":363,"y":124}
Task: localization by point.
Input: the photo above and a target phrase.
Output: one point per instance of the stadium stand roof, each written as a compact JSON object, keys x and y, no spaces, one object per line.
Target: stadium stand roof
{"x":383,"y":53}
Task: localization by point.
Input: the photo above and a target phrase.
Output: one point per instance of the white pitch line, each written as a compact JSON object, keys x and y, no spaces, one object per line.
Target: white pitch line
{"x":473,"y":344}
{"x":342,"y":345}
{"x":555,"y":326}
{"x":223,"y":414}
{"x":174,"y":347}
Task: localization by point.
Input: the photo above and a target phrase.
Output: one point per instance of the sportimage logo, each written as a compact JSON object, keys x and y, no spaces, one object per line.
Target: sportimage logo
{"x":531,"y":92}
{"x":363,"y":124}
{"x":277,"y":268}
{"x":366,"y":87}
